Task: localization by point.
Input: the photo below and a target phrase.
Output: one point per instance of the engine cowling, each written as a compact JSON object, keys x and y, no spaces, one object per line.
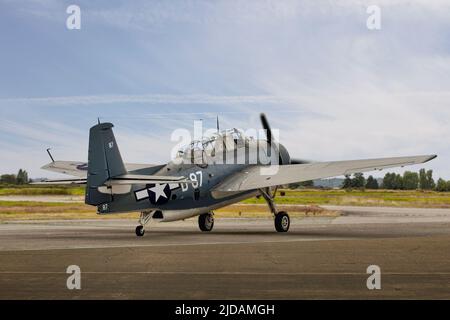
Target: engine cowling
{"x":285,"y":158}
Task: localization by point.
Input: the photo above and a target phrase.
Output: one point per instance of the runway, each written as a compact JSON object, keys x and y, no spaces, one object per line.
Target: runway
{"x":241,"y":259}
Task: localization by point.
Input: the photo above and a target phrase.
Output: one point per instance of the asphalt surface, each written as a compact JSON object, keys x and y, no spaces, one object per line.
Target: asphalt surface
{"x":241,"y":259}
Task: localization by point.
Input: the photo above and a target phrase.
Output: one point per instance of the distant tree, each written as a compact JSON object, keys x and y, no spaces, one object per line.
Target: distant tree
{"x":442,"y":185}
{"x":8,"y":179}
{"x":304,"y":184}
{"x":358,"y":181}
{"x":430,"y":180}
{"x":423,"y":179}
{"x":371,"y":183}
{"x":410,"y":180}
{"x":398,"y":182}
{"x":22,"y":177}
{"x":388,"y":181}
{"x":307,"y":184}
{"x":347,"y":182}
{"x":426,"y":181}
{"x":293,"y":185}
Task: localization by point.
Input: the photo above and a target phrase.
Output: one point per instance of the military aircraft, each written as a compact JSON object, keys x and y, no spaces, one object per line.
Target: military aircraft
{"x":208,"y":174}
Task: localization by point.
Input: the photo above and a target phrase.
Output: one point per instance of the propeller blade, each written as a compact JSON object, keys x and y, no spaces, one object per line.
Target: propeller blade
{"x":266,"y":127}
{"x":300,"y":161}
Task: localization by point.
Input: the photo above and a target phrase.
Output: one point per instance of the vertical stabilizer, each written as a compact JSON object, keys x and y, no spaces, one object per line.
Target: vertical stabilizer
{"x":104,"y":162}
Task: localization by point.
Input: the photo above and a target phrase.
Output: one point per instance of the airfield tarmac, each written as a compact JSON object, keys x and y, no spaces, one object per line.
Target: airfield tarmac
{"x":320,"y":257}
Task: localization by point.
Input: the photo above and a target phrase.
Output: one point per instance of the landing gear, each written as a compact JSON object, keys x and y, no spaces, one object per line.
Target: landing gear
{"x":145,"y":218}
{"x":282,"y":220}
{"x":206,"y":222}
{"x":140,"y":231}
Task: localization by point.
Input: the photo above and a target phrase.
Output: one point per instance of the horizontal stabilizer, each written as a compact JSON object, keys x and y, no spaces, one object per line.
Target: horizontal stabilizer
{"x":130,"y":179}
{"x":80,"y":169}
{"x":60,"y":182}
{"x":73,"y":168}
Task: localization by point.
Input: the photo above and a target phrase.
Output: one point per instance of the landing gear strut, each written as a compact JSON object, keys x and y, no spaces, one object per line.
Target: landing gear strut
{"x":206,"y":222}
{"x":282,"y":220}
{"x":146,"y":217}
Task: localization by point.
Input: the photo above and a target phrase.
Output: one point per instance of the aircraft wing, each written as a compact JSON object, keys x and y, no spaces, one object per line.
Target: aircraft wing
{"x":79,"y":169}
{"x":252,"y":178}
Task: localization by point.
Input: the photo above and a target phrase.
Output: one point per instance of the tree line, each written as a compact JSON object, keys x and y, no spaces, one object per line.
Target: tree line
{"x":18,"y":179}
{"x":422,"y":180}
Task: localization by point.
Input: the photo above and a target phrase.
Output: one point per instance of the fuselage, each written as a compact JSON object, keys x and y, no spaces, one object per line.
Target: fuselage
{"x":205,"y":170}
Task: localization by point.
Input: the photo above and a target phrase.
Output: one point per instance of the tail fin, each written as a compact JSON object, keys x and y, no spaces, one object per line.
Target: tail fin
{"x":104,"y":163}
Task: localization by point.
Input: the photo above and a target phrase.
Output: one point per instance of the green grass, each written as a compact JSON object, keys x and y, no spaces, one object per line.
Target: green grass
{"x":11,"y":209}
{"x":40,"y":191}
{"x":35,"y":204}
{"x":392,"y":198}
{"x":32,"y":210}
{"x":44,"y":210}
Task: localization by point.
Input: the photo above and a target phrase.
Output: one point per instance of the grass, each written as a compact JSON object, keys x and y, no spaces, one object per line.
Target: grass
{"x":31,"y":190}
{"x":30,"y":210}
{"x":308,"y":200}
{"x":390,"y":198}
{"x":262,"y":211}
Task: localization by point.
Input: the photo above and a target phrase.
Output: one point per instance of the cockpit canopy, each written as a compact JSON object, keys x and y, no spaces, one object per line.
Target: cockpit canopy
{"x":227,"y":140}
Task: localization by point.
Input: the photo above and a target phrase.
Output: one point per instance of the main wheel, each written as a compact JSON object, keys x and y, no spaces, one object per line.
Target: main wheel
{"x":140,"y":231}
{"x":282,"y":222}
{"x":206,"y":222}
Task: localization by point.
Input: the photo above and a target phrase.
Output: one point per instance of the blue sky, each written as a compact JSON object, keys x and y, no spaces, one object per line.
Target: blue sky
{"x":333,"y":88}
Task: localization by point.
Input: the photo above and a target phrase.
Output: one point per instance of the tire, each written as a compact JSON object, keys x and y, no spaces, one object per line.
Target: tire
{"x":282,"y":222}
{"x":140,"y":231}
{"x":206,"y":222}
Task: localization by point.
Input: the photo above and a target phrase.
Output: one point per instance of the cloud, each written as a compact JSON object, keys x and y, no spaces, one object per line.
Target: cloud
{"x":147,"y":99}
{"x":334,"y":89}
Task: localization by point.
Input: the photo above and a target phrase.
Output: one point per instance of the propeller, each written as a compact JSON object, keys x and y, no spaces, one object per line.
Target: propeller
{"x":266,"y":126}
{"x":300,"y":161}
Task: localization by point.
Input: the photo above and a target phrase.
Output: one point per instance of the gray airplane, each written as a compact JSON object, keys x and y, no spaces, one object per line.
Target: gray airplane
{"x":208,"y":174}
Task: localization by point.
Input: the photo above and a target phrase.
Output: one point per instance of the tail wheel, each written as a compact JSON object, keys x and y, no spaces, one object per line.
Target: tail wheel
{"x":206,"y":222}
{"x":282,"y":222}
{"x":140,"y":231}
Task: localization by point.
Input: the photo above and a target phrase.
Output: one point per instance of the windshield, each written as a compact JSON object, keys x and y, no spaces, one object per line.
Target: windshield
{"x":226,"y":140}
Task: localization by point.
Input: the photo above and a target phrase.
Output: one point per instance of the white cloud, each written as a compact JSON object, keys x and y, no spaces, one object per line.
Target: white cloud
{"x":147,"y":98}
{"x":333,"y":88}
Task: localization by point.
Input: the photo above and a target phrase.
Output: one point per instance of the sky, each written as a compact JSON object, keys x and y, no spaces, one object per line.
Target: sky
{"x":334,"y":89}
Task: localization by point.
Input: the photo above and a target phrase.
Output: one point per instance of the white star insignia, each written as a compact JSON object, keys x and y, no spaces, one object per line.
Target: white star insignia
{"x":158,"y":190}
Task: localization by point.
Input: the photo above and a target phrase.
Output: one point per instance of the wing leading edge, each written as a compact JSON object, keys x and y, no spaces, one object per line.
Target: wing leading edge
{"x":252,"y":178}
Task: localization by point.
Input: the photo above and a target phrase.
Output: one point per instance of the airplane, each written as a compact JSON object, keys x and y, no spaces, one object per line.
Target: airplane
{"x":217,"y":171}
